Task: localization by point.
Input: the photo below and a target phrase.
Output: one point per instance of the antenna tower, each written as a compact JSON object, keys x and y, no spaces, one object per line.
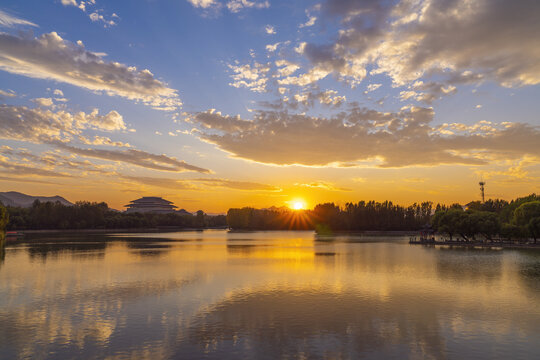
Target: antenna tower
{"x":482,"y":183}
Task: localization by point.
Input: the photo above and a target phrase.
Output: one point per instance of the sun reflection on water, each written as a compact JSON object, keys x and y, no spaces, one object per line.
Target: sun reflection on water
{"x":265,"y":295}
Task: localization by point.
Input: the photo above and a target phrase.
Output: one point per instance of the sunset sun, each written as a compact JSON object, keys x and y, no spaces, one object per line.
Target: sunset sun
{"x":298,"y":205}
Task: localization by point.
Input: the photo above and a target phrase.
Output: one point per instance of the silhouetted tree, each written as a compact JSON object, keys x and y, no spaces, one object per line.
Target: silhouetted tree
{"x":4,"y":218}
{"x":86,"y":215}
{"x":527,"y":217}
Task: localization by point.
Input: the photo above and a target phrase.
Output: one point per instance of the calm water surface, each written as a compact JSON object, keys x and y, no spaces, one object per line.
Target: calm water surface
{"x":264,"y":295}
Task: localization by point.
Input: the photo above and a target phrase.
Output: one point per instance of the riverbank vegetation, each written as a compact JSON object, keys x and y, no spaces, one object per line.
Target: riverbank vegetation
{"x":493,"y":219}
{"x":4,"y":218}
{"x":86,"y":215}
{"x":361,"y":216}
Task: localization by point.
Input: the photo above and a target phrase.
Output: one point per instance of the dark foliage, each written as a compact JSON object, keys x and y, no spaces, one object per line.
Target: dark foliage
{"x":86,"y":215}
{"x":4,"y":218}
{"x":330,"y":217}
{"x":517,"y":219}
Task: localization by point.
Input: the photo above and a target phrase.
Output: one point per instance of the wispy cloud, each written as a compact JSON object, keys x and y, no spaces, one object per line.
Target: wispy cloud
{"x":8,"y":93}
{"x":51,"y":57}
{"x":60,"y":128}
{"x":322,"y":185}
{"x":133,"y":156}
{"x":12,"y":168}
{"x":201,"y":183}
{"x":7,"y":20}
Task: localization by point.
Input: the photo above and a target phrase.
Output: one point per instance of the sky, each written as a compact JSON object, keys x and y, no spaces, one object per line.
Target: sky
{"x":215,"y":104}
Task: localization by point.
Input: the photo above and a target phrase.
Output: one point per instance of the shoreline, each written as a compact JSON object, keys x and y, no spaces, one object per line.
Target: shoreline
{"x":371,"y":233}
{"x":476,"y":244}
{"x":17,"y":233}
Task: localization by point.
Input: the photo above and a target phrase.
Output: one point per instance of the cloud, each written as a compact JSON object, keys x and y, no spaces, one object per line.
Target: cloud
{"x":372,"y":87}
{"x":455,"y":41}
{"x":45,"y":102}
{"x":53,"y":161}
{"x":12,"y":168}
{"x":95,"y":15}
{"x":270,"y":30}
{"x":235,"y":6}
{"x":286,"y":68}
{"x":254,"y":77}
{"x":238,"y":185}
{"x":359,"y":179}
{"x":103,"y":140}
{"x":57,"y":128}
{"x":205,"y":4}
{"x":429,"y":91}
{"x":213,"y":119}
{"x":133,"y":156}
{"x":160,"y":182}
{"x":309,"y":22}
{"x":311,"y":19}
{"x":40,"y":125}
{"x":24,"y":179}
{"x":272,"y":47}
{"x":200,"y":183}
{"x":8,"y":93}
{"x":330,"y":97}
{"x":516,"y":171}
{"x":112,"y":121}
{"x":383,"y":139}
{"x":9,"y":21}
{"x":305,"y":99}
{"x":313,"y":75}
{"x":322,"y":185}
{"x":51,"y":57}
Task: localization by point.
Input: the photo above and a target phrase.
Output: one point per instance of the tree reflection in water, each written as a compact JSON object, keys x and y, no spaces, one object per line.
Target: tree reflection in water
{"x":269,"y":295}
{"x":318,"y":323}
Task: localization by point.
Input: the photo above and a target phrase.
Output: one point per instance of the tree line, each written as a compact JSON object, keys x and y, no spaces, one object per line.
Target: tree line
{"x":87,"y":215}
{"x":327,"y":217}
{"x":517,"y":219}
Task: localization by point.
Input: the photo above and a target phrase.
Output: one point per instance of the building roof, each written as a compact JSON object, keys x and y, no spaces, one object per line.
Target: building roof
{"x":151,"y":201}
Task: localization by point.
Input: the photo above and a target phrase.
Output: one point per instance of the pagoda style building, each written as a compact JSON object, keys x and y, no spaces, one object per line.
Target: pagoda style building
{"x":151,"y":204}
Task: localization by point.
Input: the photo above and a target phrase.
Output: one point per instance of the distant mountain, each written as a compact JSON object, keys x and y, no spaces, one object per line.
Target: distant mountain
{"x":13,"y":198}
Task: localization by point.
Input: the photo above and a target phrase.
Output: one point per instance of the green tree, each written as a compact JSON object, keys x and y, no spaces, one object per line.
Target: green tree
{"x":199,"y":219}
{"x":527,"y":217}
{"x":450,"y":222}
{"x":4,"y":218}
{"x":485,"y":223}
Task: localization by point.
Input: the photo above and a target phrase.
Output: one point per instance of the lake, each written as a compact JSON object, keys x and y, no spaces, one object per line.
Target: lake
{"x":264,"y":295}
